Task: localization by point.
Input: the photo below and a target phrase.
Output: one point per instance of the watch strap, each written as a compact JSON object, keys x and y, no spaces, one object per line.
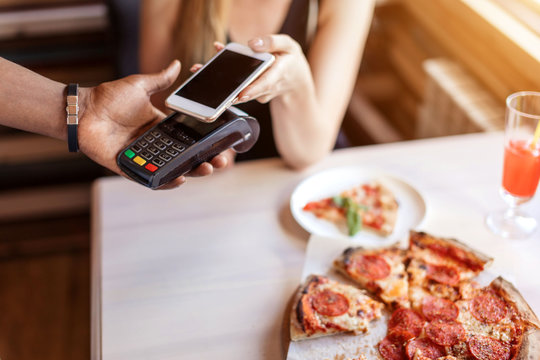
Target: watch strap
{"x":72,"y":110}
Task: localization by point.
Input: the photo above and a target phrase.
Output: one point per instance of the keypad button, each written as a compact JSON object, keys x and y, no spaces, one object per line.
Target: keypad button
{"x":153,"y":150}
{"x":166,"y":141}
{"x":146,"y":155}
{"x":129,"y":153}
{"x":160,"y":145}
{"x":151,"y":167}
{"x":179,"y":147}
{"x":139,"y":160}
{"x":165,"y":157}
{"x":155,"y":134}
{"x":158,"y":162}
{"x":149,"y":138}
{"x":172,"y":152}
{"x":136,"y":148}
{"x":142,"y":143}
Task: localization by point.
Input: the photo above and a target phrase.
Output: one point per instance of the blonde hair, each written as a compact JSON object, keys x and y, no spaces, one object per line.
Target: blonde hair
{"x":198,"y":24}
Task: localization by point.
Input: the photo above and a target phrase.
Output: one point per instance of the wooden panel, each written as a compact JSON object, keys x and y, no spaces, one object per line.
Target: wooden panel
{"x":488,"y":53}
{"x":46,"y":201}
{"x":44,"y":289}
{"x":45,"y":308}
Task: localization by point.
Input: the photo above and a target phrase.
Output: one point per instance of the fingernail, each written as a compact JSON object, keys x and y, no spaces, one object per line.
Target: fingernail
{"x":257,"y":43}
{"x":243,"y":98}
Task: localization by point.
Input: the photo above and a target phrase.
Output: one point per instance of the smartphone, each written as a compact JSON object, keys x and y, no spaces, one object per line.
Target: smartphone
{"x":180,"y":143}
{"x":212,"y":89}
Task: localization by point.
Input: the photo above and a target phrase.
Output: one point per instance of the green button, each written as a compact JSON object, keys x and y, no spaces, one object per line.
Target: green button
{"x":129,"y":153}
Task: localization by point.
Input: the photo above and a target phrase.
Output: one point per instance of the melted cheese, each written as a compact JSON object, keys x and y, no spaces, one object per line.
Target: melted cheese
{"x":503,"y":330}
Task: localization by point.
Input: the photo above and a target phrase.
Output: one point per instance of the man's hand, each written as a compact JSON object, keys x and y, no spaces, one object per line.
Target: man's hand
{"x":114,"y":113}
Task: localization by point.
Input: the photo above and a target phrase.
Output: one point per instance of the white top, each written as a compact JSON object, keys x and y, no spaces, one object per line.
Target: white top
{"x":205,"y":271}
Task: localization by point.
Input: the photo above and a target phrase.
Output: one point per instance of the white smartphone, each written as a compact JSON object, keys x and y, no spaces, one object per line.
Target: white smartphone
{"x":212,"y":89}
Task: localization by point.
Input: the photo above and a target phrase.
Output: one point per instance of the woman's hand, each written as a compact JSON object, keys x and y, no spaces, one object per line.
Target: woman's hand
{"x":114,"y":113}
{"x":290,"y":71}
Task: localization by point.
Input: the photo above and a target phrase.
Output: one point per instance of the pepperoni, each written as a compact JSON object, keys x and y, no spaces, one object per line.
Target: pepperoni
{"x":317,"y":205}
{"x":445,"y":333}
{"x":330,"y":303}
{"x":487,"y":348}
{"x":400,"y":335}
{"x":370,"y":190}
{"x":375,"y":221}
{"x":373,"y":267}
{"x":438,"y":308}
{"x":426,"y":347}
{"x":488,"y":307}
{"x":406,"y":320}
{"x":392,"y":349}
{"x":442,"y":273}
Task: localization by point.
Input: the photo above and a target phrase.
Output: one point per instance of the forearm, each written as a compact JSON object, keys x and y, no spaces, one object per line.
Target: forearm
{"x":303,"y":131}
{"x":32,"y":102}
{"x":307,"y":118}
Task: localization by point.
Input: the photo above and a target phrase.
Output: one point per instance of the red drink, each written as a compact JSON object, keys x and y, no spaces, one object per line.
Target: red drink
{"x":521,"y":169}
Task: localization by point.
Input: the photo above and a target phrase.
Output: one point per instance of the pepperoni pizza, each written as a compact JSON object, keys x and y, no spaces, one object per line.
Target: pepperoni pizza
{"x":437,"y":310}
{"x":371,"y":206}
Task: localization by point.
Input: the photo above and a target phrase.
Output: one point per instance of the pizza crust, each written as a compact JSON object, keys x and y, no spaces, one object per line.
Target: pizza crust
{"x":530,"y":346}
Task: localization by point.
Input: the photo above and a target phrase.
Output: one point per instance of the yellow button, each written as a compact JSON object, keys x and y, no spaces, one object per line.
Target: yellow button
{"x":139,"y":160}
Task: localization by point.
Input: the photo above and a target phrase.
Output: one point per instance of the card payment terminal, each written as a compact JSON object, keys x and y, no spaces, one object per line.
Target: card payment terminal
{"x":180,"y":143}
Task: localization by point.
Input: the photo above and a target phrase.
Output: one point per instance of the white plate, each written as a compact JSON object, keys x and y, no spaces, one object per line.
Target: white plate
{"x":412,"y":206}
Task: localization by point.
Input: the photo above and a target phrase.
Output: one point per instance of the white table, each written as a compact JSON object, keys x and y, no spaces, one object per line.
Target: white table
{"x":205,"y":271}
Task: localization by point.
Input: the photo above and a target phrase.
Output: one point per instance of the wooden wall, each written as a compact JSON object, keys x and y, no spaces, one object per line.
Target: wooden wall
{"x":498,"y":52}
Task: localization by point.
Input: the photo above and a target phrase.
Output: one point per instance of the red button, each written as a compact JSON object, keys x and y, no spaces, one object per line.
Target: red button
{"x":151,"y":167}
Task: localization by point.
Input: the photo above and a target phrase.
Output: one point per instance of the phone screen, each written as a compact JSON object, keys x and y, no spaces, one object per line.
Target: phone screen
{"x":213,"y":84}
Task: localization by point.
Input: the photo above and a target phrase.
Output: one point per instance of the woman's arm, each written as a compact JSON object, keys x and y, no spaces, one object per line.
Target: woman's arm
{"x":309,"y":97}
{"x":155,"y":34}
{"x":156,"y":41}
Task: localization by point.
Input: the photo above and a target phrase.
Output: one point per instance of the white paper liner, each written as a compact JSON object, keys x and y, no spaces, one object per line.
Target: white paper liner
{"x":320,"y":255}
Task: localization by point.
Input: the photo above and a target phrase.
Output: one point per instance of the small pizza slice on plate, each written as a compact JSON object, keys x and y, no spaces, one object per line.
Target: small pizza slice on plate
{"x":380,"y":271}
{"x":370,"y":205}
{"x":325,"y":307}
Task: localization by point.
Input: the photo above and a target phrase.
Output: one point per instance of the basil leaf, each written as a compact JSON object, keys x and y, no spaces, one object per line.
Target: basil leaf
{"x":339,"y":201}
{"x":354,"y":221}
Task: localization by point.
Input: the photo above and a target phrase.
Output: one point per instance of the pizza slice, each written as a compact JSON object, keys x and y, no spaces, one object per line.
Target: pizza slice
{"x":440,"y":267}
{"x":497,"y":322}
{"x":380,"y":271}
{"x":371,"y":206}
{"x":325,"y":307}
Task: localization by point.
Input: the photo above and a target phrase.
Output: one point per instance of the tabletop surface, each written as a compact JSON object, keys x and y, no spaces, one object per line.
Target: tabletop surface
{"x":205,"y":271}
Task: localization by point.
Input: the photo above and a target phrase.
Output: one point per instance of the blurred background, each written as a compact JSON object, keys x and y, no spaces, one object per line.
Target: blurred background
{"x":430,"y":68}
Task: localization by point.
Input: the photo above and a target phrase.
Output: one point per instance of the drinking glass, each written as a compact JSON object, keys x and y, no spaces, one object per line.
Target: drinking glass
{"x":521,"y":169}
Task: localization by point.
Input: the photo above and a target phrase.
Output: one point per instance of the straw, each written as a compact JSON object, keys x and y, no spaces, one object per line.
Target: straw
{"x":536,"y":136}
